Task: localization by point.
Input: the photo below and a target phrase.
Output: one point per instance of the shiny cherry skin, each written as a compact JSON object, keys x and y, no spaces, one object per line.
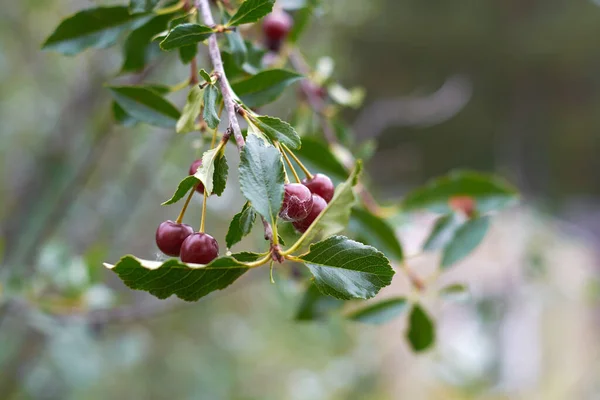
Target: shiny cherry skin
{"x":276,"y":26}
{"x":320,"y":184}
{"x":318,"y":206}
{"x":297,"y":202}
{"x":199,"y":248}
{"x":170,"y":235}
{"x":193,"y":168}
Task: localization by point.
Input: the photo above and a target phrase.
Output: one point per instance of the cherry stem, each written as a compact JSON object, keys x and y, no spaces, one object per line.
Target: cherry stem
{"x":194,"y":72}
{"x":203,"y":211}
{"x":302,"y":167}
{"x":185,"y":205}
{"x":289,"y":163}
{"x":271,"y":271}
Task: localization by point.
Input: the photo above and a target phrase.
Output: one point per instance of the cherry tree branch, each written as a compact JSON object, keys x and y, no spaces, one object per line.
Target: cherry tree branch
{"x":215,"y":55}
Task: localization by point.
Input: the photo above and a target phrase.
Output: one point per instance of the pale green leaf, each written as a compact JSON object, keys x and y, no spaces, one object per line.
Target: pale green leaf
{"x":145,"y":105}
{"x":210,"y":114}
{"x":264,"y":87}
{"x":191,"y":110}
{"x":136,"y":6}
{"x":465,"y":240}
{"x":443,"y":231}
{"x":206,"y":171}
{"x":380,"y":312}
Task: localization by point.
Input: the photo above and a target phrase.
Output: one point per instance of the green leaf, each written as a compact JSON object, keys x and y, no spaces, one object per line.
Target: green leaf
{"x":121,"y":117}
{"x":191,"y":110}
{"x":336,"y":216}
{"x":346,"y":269}
{"x":455,"y":292}
{"x":380,"y":312}
{"x":240,"y":225}
{"x":232,"y":70}
{"x":184,"y":186}
{"x":277,"y":129}
{"x":206,"y":171}
{"x":465,"y":240}
{"x":139,"y":49}
{"x":320,"y":156}
{"x":96,"y":27}
{"x":262,"y":177}
{"x":145,"y":105}
{"x":189,"y":282}
{"x":421,"y":330}
{"x":210,"y":114}
{"x":237,"y":47}
{"x":205,"y":75}
{"x":142,"y":5}
{"x":185,"y":35}
{"x":378,"y":233}
{"x":220,"y":175}
{"x":264,"y":87}
{"x":251,"y":11}
{"x":489,"y":192}
{"x":443,"y":231}
{"x":302,"y":19}
{"x":315,"y":306}
{"x":187,"y":53}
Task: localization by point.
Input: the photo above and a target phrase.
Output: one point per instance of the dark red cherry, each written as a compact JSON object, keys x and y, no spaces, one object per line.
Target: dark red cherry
{"x":297,"y":202}
{"x":318,"y":206}
{"x":276,"y":27}
{"x":199,"y":248}
{"x":170,"y":235}
{"x":193,"y":168}
{"x":320,"y":184}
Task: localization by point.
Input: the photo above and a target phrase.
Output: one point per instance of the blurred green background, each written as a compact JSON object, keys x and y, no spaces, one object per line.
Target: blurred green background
{"x":507,"y":86}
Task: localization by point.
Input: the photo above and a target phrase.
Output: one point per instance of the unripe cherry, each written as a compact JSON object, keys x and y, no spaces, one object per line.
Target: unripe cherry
{"x":297,"y":202}
{"x":320,"y":184}
{"x":318,"y":206}
{"x":193,"y":168}
{"x":170,"y":236}
{"x":199,"y":248}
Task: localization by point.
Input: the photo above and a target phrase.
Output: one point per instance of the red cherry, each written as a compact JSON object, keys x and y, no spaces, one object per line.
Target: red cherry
{"x":297,"y":202}
{"x":320,"y":184}
{"x":318,"y":206}
{"x":193,"y":168}
{"x":170,"y":235}
{"x":199,"y":248}
{"x":276,"y":27}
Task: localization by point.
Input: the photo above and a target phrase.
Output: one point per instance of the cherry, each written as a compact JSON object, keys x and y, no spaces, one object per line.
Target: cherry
{"x":170,"y":235}
{"x":193,"y":168}
{"x":276,"y":27}
{"x":297,"y":202}
{"x":318,"y":206}
{"x":320,"y":184}
{"x":199,"y":248}
{"x":464,"y":204}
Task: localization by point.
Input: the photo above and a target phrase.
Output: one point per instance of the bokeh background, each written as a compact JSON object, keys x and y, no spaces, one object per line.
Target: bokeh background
{"x":506,"y":86}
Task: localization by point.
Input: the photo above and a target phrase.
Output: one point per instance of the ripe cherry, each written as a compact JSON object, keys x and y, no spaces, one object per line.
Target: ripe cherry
{"x":199,"y":248}
{"x":170,"y":235}
{"x":318,"y":206}
{"x":193,"y":168}
{"x":464,"y":204}
{"x":276,"y":27}
{"x":297,"y":202}
{"x":320,"y":184}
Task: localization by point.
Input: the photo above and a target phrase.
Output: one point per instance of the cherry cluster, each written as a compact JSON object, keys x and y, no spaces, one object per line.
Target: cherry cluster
{"x":303,"y":202}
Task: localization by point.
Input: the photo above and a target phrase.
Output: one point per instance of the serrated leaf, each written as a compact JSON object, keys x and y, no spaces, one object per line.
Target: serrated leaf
{"x":465,"y":240}
{"x":442,"y":232}
{"x":206,"y":171}
{"x":139,"y":49}
{"x":336,"y":216}
{"x":210,"y":114}
{"x":264,"y":87}
{"x":145,"y":105}
{"x":262,"y":177}
{"x":346,"y":269}
{"x":315,"y":306}
{"x":182,"y":189}
{"x":191,"y":111}
{"x":378,"y":233}
{"x":240,"y":225}
{"x":251,"y":11}
{"x":455,"y":292}
{"x":277,"y":129}
{"x":489,"y":192}
{"x":185,"y":35}
{"x":95,"y":27}
{"x":121,"y":117}
{"x":136,"y":6}
{"x":380,"y":312}
{"x":421,"y":330}
{"x":189,"y":282}
{"x":187,"y":53}
{"x":220,"y":175}
{"x":320,"y":156}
